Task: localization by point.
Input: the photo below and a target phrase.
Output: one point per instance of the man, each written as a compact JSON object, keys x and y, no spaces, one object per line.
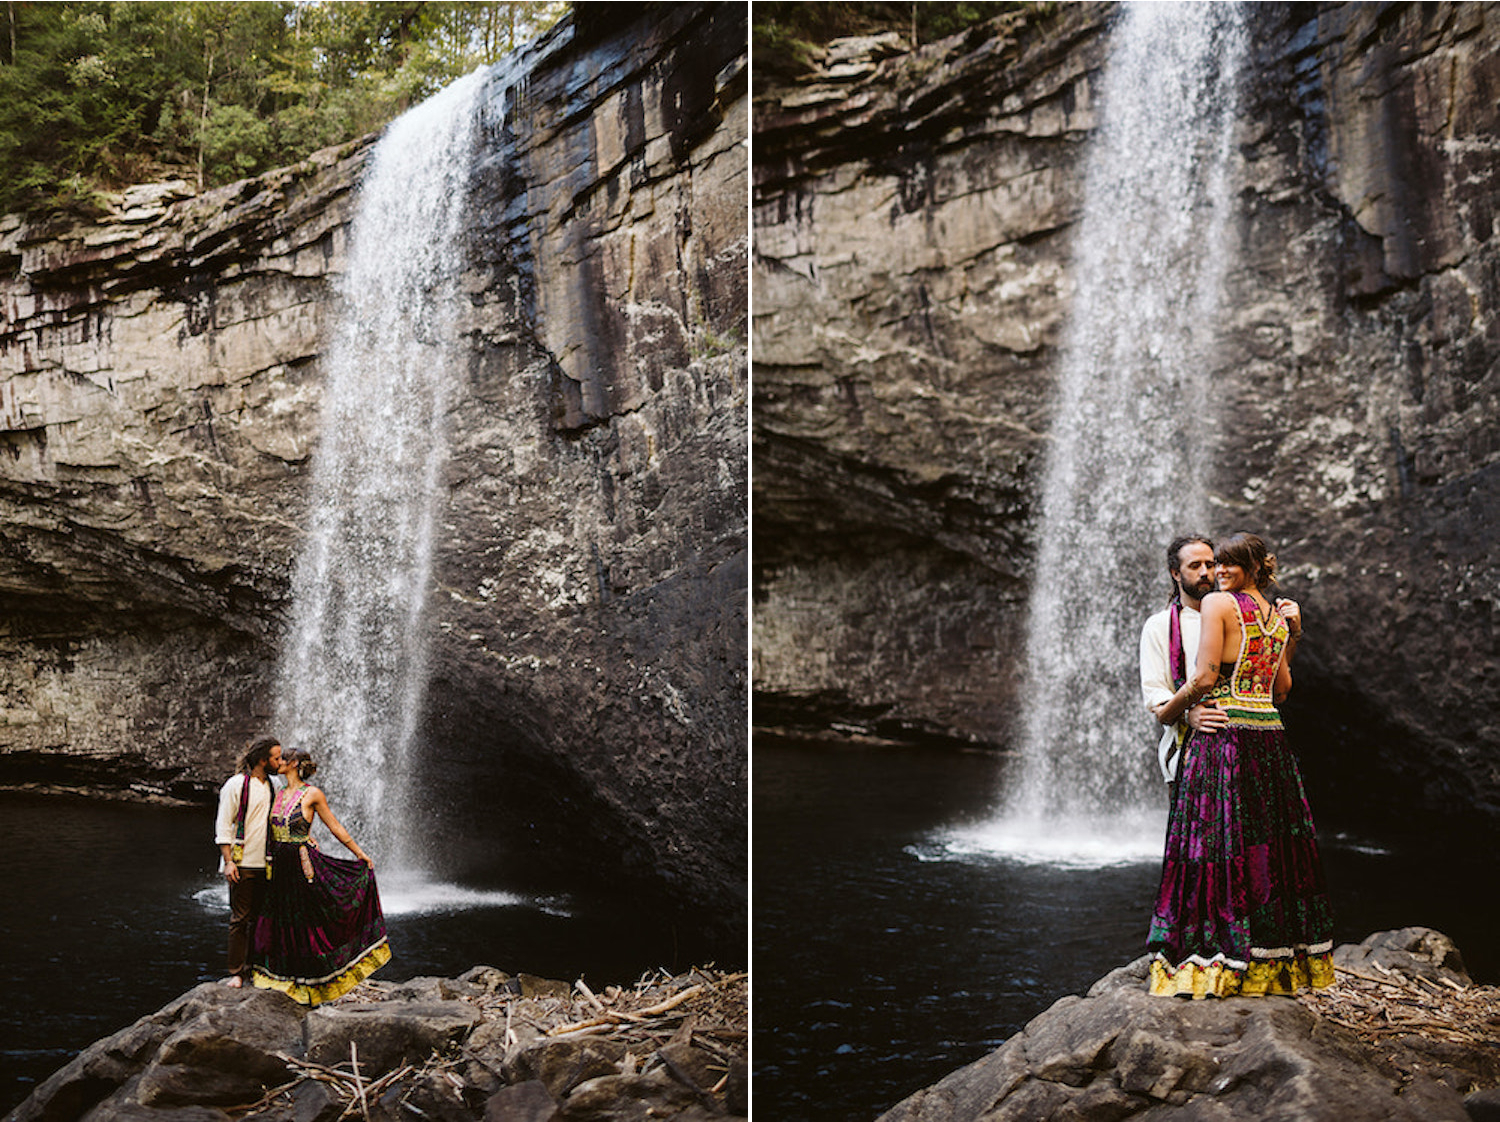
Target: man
{"x":1174,"y":631}
{"x":240,"y":832}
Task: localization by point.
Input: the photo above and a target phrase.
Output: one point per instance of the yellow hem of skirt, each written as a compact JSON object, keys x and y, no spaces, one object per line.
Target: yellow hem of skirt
{"x":1264,"y":978}
{"x":316,"y":993}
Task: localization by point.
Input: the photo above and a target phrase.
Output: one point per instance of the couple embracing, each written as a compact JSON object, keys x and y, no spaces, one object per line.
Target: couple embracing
{"x":300,"y":921}
{"x":1242,"y":908}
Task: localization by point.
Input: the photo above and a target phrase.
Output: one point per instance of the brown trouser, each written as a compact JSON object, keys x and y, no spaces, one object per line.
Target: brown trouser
{"x":245,"y":898}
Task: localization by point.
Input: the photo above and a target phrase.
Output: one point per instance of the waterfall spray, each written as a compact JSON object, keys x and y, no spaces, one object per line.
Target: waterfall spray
{"x":1125,"y":468}
{"x":353,"y":667}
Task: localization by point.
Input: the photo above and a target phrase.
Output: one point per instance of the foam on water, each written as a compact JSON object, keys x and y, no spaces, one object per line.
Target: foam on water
{"x":409,"y":895}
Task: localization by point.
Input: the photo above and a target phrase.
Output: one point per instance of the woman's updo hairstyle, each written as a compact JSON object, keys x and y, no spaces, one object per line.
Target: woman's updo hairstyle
{"x":306,"y":768}
{"x":1248,"y":551}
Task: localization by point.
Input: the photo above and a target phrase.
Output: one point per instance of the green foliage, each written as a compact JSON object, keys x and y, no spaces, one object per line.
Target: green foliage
{"x":787,"y":35}
{"x":99,"y":94}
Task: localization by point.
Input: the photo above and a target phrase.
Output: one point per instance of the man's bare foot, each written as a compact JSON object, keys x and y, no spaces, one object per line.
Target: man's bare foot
{"x":234,"y":981}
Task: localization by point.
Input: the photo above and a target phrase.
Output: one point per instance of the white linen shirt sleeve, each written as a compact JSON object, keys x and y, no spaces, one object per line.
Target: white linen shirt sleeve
{"x":1156,"y":675}
{"x":229,"y":810}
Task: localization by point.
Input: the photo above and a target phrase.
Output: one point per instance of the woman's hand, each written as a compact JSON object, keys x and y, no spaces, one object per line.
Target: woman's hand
{"x":1291,"y":611}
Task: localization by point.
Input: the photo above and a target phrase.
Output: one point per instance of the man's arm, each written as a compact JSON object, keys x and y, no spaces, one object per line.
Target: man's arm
{"x":1156,"y":676}
{"x":224,"y":823}
{"x":1156,"y":680}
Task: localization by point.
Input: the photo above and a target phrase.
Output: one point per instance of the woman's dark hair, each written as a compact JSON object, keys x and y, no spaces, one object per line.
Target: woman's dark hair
{"x":258,"y":753}
{"x":1248,"y":552}
{"x":306,"y":768}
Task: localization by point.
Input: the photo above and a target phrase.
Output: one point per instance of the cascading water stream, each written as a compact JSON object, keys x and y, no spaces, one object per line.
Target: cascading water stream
{"x":353,"y":669}
{"x":1125,"y":470}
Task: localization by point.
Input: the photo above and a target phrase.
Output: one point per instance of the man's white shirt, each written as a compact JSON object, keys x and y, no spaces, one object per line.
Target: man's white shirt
{"x":262,"y":791}
{"x":1156,"y":675}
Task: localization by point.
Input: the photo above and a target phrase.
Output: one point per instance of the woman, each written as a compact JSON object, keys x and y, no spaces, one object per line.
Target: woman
{"x":321,"y":932}
{"x":1242,"y":907}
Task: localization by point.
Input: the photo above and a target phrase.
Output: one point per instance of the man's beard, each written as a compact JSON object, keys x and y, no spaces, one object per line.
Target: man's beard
{"x":1198,"y":591}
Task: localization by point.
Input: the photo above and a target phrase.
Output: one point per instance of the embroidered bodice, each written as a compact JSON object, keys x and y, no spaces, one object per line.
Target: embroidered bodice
{"x":1244,"y":688}
{"x":288,"y":824}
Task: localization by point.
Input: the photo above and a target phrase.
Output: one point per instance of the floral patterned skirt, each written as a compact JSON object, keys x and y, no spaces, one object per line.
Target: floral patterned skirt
{"x":1243,"y":907}
{"x":321,"y":931}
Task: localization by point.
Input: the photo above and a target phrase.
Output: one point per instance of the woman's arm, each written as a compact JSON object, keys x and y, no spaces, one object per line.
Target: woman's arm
{"x":1283,"y":683}
{"x":318,"y":802}
{"x":1290,"y":611}
{"x":1216,"y":615}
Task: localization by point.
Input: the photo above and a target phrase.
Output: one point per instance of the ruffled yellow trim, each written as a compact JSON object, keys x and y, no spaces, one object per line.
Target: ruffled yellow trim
{"x":1262,"y":978}
{"x":315,"y":993}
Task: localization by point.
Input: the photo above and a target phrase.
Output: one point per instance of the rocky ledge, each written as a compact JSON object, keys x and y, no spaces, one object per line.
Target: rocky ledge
{"x":484,"y":1046}
{"x":1403,"y":1035}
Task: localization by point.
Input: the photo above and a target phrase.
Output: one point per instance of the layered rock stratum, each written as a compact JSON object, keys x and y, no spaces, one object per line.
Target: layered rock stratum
{"x":159,"y":408}
{"x":913,"y":219}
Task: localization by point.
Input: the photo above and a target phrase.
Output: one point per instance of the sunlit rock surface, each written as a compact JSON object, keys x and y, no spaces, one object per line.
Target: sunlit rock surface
{"x":912,"y":232}
{"x":159,"y":407}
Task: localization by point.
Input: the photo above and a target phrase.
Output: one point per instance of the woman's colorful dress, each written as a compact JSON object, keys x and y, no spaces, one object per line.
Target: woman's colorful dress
{"x":321,"y":931}
{"x":1242,"y":907}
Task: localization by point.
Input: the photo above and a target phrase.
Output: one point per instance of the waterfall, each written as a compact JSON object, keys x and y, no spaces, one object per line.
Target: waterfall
{"x":353,"y":666}
{"x":1126,"y":468}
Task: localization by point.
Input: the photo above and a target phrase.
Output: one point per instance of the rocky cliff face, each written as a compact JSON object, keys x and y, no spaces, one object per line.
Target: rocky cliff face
{"x":912,"y":280}
{"x":160,"y":404}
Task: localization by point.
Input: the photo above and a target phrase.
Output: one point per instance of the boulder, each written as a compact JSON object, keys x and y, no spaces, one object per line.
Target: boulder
{"x":521,"y":1102}
{"x":1120,"y":1053}
{"x":1418,"y":952}
{"x":634,"y":1098}
{"x":227,"y":1055}
{"x":561,"y":1064}
{"x":387,"y":1034}
{"x":209,"y":1025}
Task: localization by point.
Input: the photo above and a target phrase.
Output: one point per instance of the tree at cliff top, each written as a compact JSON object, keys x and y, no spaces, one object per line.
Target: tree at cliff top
{"x":787,"y":35}
{"x":99,"y":95}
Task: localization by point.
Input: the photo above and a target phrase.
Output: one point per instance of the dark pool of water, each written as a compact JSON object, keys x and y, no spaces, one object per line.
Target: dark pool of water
{"x":108,"y":911}
{"x":878,"y":970}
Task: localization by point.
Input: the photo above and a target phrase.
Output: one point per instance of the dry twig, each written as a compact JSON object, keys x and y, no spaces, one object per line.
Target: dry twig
{"x":1394,"y":1005}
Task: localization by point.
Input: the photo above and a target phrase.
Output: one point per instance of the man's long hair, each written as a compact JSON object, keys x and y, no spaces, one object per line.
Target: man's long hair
{"x":259,"y":752}
{"x":1174,"y":558}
